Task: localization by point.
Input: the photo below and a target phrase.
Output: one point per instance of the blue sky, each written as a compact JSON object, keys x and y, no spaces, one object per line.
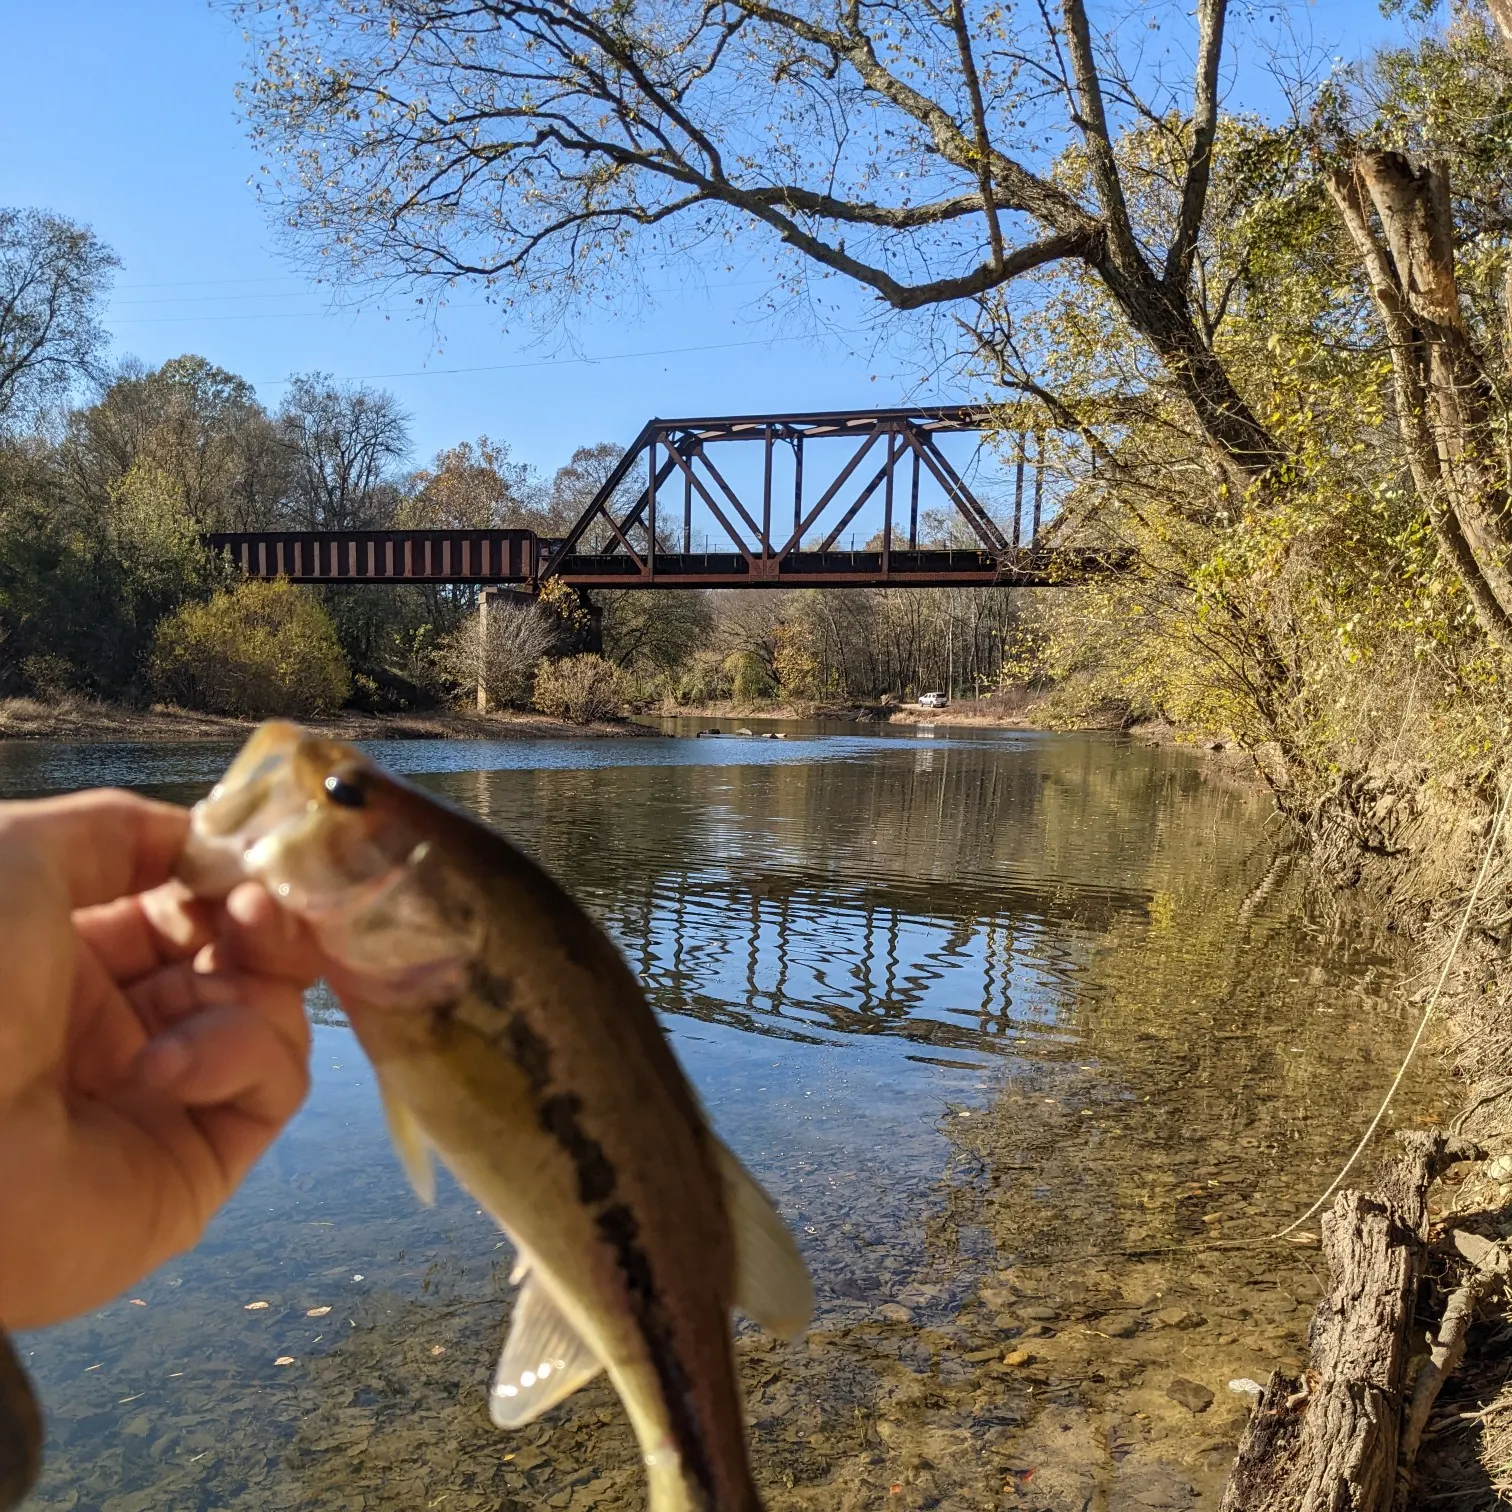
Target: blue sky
{"x":120,"y":113}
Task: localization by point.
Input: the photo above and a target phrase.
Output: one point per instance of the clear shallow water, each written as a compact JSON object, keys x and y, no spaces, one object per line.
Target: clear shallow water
{"x":1008,"y":1025}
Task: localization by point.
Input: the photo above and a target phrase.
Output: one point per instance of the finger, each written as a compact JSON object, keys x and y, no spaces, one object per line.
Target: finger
{"x":257,"y":935}
{"x":174,"y":995}
{"x":233,"y":1054}
{"x":103,"y":844}
{"x":134,"y":935}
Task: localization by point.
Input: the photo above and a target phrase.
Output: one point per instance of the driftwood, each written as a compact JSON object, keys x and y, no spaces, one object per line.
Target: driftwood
{"x":1492,"y":1267}
{"x":1330,"y":1442}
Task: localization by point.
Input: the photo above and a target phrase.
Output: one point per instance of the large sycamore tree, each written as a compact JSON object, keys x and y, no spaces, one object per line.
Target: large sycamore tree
{"x":954,"y":156}
{"x":908,"y":147}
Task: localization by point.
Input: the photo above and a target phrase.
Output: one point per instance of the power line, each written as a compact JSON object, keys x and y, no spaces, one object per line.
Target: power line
{"x":504,"y":367}
{"x":205,"y":283}
{"x":331,"y":311}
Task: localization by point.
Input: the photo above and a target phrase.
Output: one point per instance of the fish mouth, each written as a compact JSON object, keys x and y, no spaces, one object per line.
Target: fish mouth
{"x":316,"y":824}
{"x":271,"y":818}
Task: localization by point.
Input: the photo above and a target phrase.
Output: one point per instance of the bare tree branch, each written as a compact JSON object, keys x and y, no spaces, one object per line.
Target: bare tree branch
{"x":1210,"y":17}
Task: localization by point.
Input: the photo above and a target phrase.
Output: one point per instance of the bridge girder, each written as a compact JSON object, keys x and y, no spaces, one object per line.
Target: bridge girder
{"x":634,"y":544}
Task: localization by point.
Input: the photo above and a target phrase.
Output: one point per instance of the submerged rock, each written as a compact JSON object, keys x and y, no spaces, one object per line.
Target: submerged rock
{"x":1192,"y":1395}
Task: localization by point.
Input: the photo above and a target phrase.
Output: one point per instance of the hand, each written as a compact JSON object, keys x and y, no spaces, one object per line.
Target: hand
{"x":151,"y":1047}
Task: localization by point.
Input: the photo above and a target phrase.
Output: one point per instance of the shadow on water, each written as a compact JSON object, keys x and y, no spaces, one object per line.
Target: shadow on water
{"x":1010,"y":1028}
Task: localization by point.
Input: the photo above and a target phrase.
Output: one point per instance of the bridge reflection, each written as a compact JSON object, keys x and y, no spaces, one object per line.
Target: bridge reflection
{"x":949,"y":897}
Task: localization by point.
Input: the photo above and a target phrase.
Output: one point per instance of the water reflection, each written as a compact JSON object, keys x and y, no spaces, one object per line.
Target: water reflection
{"x":1010,"y":1029}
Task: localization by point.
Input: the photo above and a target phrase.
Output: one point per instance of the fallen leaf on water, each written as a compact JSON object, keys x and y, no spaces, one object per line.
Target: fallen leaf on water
{"x":438,"y":1349}
{"x":255,"y":1306}
{"x":284,"y":1360}
{"x":137,"y":1302}
{"x":357,"y":1278}
{"x":317,"y":1312}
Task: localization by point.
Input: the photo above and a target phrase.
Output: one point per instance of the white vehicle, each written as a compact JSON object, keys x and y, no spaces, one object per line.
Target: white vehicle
{"x":933,"y":700}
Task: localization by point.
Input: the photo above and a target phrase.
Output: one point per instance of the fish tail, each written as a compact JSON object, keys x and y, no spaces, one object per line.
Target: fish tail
{"x":673,"y":1489}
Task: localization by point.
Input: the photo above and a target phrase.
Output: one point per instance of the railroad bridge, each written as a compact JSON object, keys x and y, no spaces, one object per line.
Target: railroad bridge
{"x":778,"y":514}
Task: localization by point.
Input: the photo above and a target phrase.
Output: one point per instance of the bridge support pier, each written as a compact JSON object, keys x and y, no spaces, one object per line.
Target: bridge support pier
{"x":493,"y":601}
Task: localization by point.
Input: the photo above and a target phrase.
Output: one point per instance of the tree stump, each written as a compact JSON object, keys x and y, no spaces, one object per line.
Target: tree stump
{"x":1329,"y":1442}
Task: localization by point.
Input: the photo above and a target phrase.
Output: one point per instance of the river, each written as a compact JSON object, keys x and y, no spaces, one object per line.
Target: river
{"x":1030,"y":1036}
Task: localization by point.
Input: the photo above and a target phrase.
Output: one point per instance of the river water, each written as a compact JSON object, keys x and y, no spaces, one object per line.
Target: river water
{"x":1028,"y":1036}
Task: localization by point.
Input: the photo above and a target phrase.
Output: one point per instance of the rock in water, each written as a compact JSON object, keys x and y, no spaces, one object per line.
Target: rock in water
{"x":1190,"y":1394}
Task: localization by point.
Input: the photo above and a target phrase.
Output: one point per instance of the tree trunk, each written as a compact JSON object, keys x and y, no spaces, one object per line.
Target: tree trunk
{"x":1160,"y":313}
{"x":1445,"y":400}
{"x":1331,"y":1446}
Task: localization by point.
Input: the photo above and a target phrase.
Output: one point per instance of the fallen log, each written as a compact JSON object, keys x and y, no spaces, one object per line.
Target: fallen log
{"x":1329,"y":1441}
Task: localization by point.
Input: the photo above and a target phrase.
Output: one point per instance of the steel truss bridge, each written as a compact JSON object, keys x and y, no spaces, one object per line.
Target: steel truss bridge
{"x":629,"y":534}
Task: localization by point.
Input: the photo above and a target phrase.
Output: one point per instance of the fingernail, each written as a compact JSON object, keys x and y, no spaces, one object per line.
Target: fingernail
{"x":163,"y":1063}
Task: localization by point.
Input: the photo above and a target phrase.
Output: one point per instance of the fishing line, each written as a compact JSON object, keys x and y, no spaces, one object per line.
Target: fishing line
{"x":1417,"y":1039}
{"x":1375,"y":1123}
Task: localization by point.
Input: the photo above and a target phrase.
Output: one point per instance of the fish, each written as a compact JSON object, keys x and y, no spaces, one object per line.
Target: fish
{"x":511,"y":1042}
{"x":20,"y":1429}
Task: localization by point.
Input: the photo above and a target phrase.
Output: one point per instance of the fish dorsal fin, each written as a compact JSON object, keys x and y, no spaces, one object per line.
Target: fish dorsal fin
{"x":771,"y":1281}
{"x":411,"y":1146}
{"x":544,"y":1361}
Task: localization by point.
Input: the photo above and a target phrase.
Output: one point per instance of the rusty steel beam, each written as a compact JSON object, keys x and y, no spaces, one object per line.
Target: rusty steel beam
{"x":623,"y":533}
{"x":1046,"y":568}
{"x":477,"y":557}
{"x":381,"y":556}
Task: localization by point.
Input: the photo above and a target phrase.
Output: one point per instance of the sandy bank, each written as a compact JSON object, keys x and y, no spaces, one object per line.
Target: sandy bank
{"x":82,"y":720}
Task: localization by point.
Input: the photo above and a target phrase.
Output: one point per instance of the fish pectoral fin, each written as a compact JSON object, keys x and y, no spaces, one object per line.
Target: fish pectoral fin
{"x":543,"y":1362}
{"x":771,"y":1281}
{"x":411,"y":1146}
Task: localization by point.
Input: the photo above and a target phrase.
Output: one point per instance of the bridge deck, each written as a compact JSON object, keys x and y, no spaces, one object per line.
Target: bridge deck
{"x":869,"y":473}
{"x":518,"y":557}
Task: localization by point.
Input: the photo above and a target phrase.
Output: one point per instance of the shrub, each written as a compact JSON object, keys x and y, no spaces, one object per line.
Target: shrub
{"x":49,"y":675}
{"x":580,"y":688}
{"x":704,"y":680}
{"x":750,"y":680}
{"x":795,"y":661}
{"x":507,"y":655}
{"x":259,"y":648}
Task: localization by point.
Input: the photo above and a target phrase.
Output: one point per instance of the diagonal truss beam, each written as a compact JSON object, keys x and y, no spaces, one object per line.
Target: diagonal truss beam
{"x":678,"y":447}
{"x":829,"y":493}
{"x":708,"y":499}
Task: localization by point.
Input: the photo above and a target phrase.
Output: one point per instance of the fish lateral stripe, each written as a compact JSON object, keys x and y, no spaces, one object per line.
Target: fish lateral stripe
{"x":557,"y":1114}
{"x":620,"y":1229}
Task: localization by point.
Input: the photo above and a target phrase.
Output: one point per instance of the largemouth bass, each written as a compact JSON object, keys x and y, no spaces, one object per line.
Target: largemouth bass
{"x":511,"y":1040}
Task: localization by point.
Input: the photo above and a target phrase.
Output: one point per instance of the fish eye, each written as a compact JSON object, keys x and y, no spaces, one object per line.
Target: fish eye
{"x":347,"y":794}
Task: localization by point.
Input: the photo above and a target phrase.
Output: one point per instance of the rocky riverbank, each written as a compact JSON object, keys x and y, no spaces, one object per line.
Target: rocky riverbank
{"x":1406,"y":1399}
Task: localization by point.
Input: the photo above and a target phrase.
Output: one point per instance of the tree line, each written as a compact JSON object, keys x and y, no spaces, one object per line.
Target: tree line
{"x":110,"y":476}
